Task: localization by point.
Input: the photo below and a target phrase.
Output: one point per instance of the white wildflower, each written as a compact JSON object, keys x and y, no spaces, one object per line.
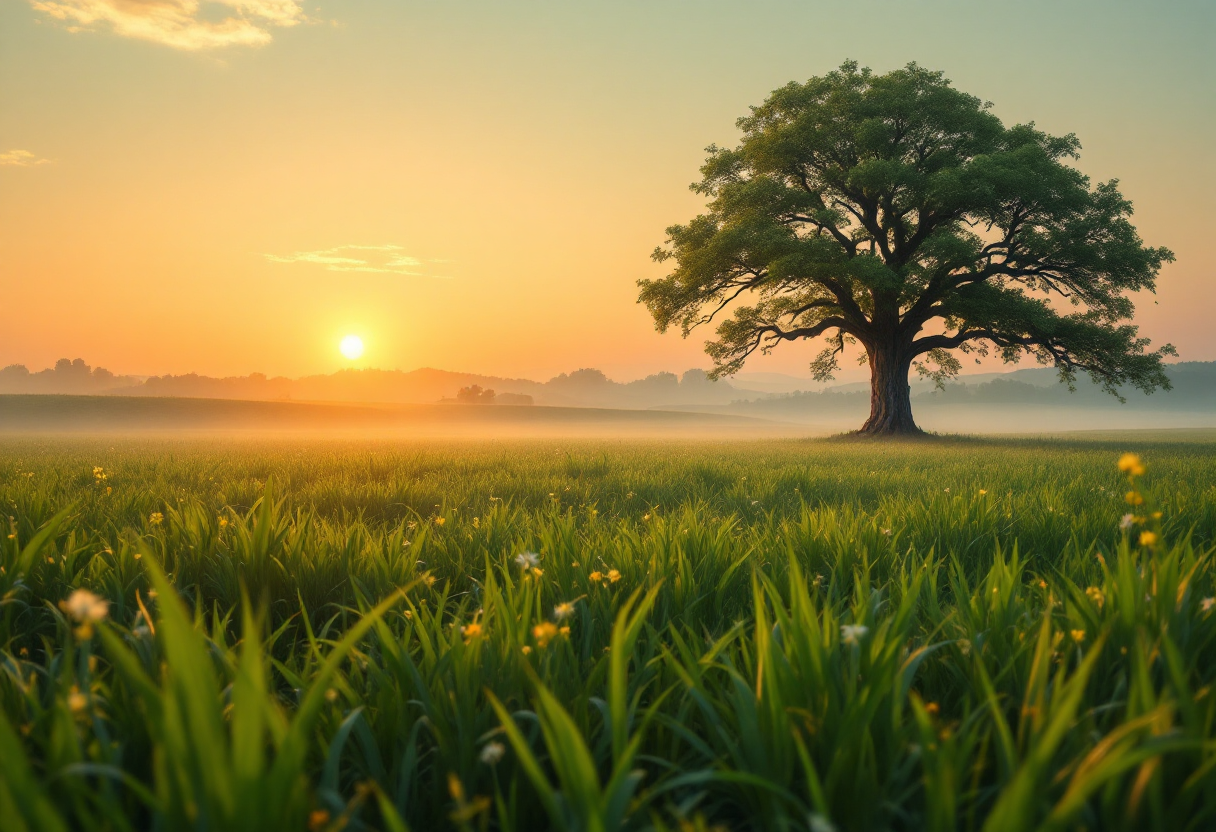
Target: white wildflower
{"x":851,"y":633}
{"x":818,"y":823}
{"x":83,"y":606}
{"x":1127,"y":521}
{"x":492,"y":752}
{"x":527,"y":560}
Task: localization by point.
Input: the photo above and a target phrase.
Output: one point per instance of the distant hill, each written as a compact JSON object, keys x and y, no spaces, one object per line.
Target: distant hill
{"x":1023,"y":400}
{"x":761,"y":395}
{"x":582,"y":388}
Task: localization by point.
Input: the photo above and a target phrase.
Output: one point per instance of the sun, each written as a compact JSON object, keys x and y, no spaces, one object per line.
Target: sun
{"x":351,"y":346}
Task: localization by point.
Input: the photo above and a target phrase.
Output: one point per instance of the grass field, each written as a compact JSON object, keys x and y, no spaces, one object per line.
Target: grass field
{"x":596,"y":635}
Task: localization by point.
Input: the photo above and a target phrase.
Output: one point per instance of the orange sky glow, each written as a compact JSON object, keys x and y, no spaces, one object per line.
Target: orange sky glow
{"x":226,"y":188}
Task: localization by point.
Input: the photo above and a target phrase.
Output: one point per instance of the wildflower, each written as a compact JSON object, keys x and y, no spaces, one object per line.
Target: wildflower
{"x":318,"y":819}
{"x":156,"y":518}
{"x":596,"y":576}
{"x":563,"y":610}
{"x":1134,"y":498}
{"x":408,"y":615}
{"x":1042,"y":584}
{"x":428,"y":579}
{"x":1148,"y":538}
{"x":613,"y":575}
{"x":544,"y":633}
{"x":527,"y":560}
{"x":526,"y":650}
{"x":331,"y":695}
{"x":819,"y":823}
{"x":84,"y":606}
{"x":223,"y":522}
{"x":1096,"y":596}
{"x":492,"y":752}
{"x":439,"y":521}
{"x":537,"y":571}
{"x":887,"y":532}
{"x":565,"y":630}
{"x":77,"y":701}
{"x":470,"y":631}
{"x":1207,"y":603}
{"x":646,"y":516}
{"x":983,"y":491}
{"x":1077,"y":635}
{"x":932,"y":709}
{"x":1127,"y":521}
{"x":851,"y":633}
{"x":1131,"y":465}
{"x":109,"y":490}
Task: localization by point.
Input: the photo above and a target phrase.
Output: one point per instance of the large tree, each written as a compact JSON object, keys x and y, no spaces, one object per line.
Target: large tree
{"x":899,"y":213}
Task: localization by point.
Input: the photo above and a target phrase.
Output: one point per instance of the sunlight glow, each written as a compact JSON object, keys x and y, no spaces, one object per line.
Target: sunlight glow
{"x":351,"y":346}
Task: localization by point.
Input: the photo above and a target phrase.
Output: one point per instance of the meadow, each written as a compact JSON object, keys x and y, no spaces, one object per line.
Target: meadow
{"x":949,"y":634}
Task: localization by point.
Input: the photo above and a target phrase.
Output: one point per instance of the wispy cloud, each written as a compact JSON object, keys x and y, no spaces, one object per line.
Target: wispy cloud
{"x":182,"y":24}
{"x":386,"y":259}
{"x":21,"y":159}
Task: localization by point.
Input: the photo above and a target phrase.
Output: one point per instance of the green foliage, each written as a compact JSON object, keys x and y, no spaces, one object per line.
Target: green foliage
{"x":754,"y":636}
{"x":875,"y":207}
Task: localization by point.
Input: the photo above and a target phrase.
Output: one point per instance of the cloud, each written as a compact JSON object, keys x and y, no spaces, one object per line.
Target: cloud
{"x":182,"y":24}
{"x":21,"y":159}
{"x":387,"y":259}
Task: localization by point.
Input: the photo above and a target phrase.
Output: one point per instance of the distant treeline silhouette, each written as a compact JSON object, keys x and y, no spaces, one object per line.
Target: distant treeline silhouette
{"x":1194,"y":386}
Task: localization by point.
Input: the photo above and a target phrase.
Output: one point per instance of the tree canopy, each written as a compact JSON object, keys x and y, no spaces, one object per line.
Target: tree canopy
{"x":900,"y":213}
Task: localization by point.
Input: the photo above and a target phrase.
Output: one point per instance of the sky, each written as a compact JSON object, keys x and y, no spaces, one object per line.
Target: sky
{"x":229,"y":186}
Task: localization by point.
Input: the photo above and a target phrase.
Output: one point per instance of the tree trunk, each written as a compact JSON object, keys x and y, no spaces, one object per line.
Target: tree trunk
{"x":890,"y":395}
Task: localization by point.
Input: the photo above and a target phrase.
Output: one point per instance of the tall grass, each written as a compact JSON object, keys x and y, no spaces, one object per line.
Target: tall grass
{"x":767,"y":636}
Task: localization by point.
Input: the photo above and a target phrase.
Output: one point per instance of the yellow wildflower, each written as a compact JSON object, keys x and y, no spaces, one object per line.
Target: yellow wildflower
{"x":544,"y":633}
{"x":439,"y":521}
{"x":1131,"y":465}
{"x":156,"y":518}
{"x":77,"y":701}
{"x":1077,"y":635}
{"x":318,"y":819}
{"x":1096,"y":596}
{"x":527,"y":650}
{"x":596,"y":576}
{"x":565,"y":631}
{"x":1148,"y":538}
{"x":563,"y":610}
{"x":1134,"y":498}
{"x":614,"y":575}
{"x":470,"y":631}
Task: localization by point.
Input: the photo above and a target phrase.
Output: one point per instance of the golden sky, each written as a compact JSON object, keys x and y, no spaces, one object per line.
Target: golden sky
{"x":230,"y":186}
